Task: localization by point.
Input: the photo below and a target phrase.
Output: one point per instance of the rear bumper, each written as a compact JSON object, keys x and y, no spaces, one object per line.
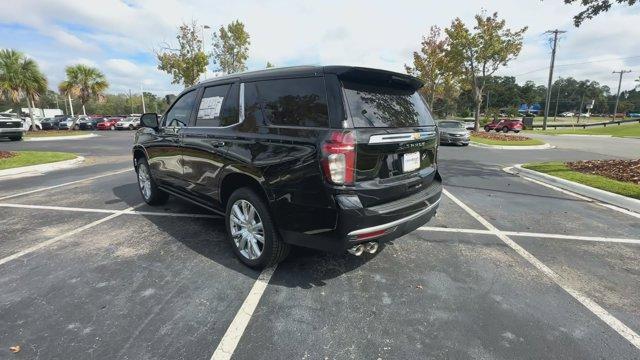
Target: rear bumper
{"x":380,"y":223}
{"x":454,"y":140}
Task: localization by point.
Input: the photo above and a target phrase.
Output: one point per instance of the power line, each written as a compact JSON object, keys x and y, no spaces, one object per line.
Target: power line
{"x":579,"y":63}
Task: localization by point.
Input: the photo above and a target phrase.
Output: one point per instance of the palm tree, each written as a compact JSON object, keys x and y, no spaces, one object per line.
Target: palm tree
{"x":21,"y":77}
{"x":85,"y":83}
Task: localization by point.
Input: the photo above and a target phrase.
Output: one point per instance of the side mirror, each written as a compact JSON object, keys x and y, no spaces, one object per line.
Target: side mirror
{"x":149,"y":120}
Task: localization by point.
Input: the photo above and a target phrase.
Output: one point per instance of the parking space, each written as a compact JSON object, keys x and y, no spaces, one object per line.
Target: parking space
{"x":89,"y":272}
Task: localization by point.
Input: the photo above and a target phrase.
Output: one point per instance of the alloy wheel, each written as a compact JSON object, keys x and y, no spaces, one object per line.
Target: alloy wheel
{"x":246,"y":229}
{"x":144,"y":181}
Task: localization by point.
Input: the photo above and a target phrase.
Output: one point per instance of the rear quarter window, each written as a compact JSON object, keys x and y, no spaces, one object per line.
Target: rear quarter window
{"x":292,"y":102}
{"x":381,"y":106}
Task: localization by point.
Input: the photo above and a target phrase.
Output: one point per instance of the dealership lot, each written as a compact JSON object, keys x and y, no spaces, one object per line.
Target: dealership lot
{"x":507,"y":269}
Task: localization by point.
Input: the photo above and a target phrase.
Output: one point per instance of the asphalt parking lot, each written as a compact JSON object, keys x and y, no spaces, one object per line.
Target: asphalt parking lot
{"x":508,"y":269}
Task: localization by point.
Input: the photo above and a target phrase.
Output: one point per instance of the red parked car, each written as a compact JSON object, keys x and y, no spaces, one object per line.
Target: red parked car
{"x":108,"y":124}
{"x":505,"y":125}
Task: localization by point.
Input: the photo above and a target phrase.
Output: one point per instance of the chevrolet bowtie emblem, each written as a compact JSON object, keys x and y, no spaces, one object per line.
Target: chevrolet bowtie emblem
{"x":415,"y":136}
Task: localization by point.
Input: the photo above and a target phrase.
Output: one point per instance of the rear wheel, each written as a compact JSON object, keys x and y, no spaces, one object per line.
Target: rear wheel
{"x":505,"y":129}
{"x":487,"y":129}
{"x":251,"y":230}
{"x":112,"y":127}
{"x":149,"y":190}
{"x":130,"y":127}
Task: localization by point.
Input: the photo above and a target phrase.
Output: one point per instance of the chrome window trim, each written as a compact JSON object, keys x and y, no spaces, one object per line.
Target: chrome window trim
{"x":395,"y":223}
{"x":395,"y":138}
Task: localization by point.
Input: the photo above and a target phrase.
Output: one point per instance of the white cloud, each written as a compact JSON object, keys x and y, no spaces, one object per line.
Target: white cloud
{"x":119,"y":37}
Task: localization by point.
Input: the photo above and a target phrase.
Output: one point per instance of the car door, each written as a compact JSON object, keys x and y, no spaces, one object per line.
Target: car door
{"x":164,"y":151}
{"x":205,"y":144}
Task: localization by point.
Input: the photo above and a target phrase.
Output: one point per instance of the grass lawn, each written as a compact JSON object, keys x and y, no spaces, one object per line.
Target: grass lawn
{"x":600,"y":182}
{"x":26,"y":158}
{"x":485,"y":141}
{"x":47,"y":133}
{"x":626,"y":130}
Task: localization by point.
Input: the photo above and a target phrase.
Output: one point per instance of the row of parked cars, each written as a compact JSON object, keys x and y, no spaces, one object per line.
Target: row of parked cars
{"x":96,"y":122}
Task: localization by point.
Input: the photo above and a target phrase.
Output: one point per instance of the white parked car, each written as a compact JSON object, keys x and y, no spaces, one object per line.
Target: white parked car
{"x":128,"y":123}
{"x":567,"y":114}
{"x":26,"y":124}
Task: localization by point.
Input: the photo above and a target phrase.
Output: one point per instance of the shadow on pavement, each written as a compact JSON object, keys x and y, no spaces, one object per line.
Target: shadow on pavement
{"x":303,"y":268}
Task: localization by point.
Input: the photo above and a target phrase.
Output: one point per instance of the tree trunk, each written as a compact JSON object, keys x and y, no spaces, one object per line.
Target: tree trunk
{"x":477,"y":97}
{"x":84,"y":111}
{"x":32,"y":126}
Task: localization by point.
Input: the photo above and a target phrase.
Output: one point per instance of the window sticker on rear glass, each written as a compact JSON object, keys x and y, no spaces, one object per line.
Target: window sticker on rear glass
{"x":210,"y":107}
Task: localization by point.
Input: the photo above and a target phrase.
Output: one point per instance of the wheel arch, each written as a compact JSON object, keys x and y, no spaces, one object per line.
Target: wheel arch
{"x":138,"y":153}
{"x":236,"y":180}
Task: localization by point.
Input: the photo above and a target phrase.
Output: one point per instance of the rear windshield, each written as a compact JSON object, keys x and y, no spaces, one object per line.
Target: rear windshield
{"x":377,"y":106}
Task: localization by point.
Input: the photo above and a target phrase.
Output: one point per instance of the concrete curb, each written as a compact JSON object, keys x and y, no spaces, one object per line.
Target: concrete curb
{"x":624,"y":202}
{"x":502,"y":147}
{"x":582,"y":135}
{"x":34,"y":170}
{"x":56,"y":138}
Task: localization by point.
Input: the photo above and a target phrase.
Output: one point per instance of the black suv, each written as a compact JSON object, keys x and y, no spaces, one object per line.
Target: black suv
{"x":334,"y":158}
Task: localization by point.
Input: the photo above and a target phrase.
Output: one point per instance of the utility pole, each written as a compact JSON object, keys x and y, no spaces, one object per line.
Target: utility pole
{"x":130,"y":102}
{"x":486,"y":111}
{"x":621,"y":72}
{"x":553,"y":60}
{"x":203,"y":47}
{"x":555,"y":114}
{"x":144,"y":110}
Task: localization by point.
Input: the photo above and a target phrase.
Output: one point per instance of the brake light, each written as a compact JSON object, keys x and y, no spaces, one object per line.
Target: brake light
{"x":339,"y":158}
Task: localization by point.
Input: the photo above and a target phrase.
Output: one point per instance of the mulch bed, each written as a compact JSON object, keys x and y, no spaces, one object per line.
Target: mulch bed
{"x":7,"y":154}
{"x":621,"y":170}
{"x":500,"y":136}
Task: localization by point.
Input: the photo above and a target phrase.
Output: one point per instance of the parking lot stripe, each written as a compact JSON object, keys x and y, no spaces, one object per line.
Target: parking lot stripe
{"x":591,"y":305}
{"x":229,"y":341}
{"x":66,"y":184}
{"x":106,"y":211}
{"x":536,"y":235}
{"x":64,"y":236}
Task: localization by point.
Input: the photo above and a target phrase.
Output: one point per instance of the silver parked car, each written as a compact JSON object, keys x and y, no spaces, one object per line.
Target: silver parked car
{"x":453,"y":132}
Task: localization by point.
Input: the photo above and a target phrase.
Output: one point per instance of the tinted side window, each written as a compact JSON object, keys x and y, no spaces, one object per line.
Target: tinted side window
{"x":180,"y":113}
{"x":252,"y":105}
{"x":229,"y":113}
{"x":294,"y":102}
{"x":211,"y":105}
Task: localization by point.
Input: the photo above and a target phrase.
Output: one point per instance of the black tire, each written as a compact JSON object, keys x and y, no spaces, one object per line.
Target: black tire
{"x":274,"y":248}
{"x":505,"y":129}
{"x":15,"y":138}
{"x":516,"y":131}
{"x":156,"y":196}
{"x":487,"y":129}
{"x":112,"y":128}
{"x":130,"y":127}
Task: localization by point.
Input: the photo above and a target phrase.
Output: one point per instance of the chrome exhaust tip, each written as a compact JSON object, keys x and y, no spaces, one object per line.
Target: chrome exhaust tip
{"x":356,"y":250}
{"x":371,"y":247}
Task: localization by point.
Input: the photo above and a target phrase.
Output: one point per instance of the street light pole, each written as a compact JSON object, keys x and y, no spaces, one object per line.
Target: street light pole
{"x":553,"y":60}
{"x":202,"y":47}
{"x":144,"y":110}
{"x":615,"y":109}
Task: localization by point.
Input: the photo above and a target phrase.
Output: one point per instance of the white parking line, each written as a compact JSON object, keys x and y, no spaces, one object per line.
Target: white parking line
{"x":596,"y":309}
{"x":66,"y":184}
{"x":64,"y":236}
{"x":535,"y":235}
{"x":106,"y":211}
{"x":234,"y":332}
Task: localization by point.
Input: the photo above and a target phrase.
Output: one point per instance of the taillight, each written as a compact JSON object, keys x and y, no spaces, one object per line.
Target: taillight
{"x":339,"y":158}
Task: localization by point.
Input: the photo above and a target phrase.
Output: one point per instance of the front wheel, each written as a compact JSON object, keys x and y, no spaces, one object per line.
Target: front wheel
{"x":112,"y":127}
{"x":505,"y":129}
{"x":251,"y":230}
{"x":149,"y":190}
{"x":487,"y":129}
{"x":130,"y":127}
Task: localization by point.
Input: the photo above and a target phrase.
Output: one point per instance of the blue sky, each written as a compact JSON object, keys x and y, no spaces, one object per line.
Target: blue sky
{"x":120,"y":36}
